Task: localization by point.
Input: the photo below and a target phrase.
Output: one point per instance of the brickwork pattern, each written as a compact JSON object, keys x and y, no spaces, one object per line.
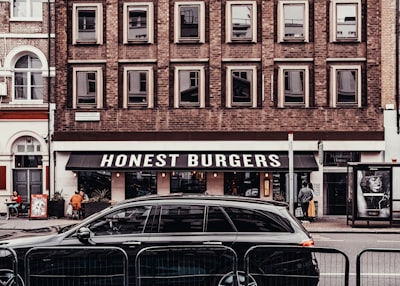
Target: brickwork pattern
{"x":164,"y":54}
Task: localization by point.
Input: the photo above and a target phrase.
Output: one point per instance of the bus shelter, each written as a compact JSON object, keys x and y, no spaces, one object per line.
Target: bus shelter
{"x":373,"y":192}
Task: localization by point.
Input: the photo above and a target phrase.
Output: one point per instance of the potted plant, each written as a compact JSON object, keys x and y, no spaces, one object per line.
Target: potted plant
{"x":56,"y":205}
{"x":99,"y":200}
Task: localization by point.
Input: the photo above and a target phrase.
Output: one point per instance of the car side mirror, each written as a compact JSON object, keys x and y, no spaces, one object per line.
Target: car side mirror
{"x":84,"y":235}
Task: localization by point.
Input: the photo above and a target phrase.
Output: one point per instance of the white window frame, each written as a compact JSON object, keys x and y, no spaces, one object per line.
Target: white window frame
{"x":281,"y":85}
{"x":334,"y":88}
{"x":229,"y":96}
{"x":99,"y":87}
{"x":150,"y":87}
{"x":281,"y":21}
{"x":201,"y":22}
{"x":28,"y":71}
{"x":333,"y":19}
{"x":98,"y":8}
{"x":228,"y":23}
{"x":150,"y":22}
{"x":201,"y":85}
{"x":28,"y":9}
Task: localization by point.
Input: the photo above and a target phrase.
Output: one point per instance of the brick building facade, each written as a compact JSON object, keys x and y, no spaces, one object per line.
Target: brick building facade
{"x":165,"y":78}
{"x":27,"y":73}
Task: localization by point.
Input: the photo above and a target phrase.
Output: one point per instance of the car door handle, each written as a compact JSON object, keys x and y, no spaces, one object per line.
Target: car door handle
{"x":132,"y":243}
{"x":213,"y":242}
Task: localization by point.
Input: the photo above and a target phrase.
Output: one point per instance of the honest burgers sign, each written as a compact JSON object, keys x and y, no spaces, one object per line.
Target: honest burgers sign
{"x":176,"y":160}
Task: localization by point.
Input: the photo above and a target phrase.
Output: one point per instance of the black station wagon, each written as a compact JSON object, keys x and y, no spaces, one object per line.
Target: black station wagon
{"x":150,"y":222}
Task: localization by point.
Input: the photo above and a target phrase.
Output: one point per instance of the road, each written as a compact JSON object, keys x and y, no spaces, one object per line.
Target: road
{"x":354,"y":243}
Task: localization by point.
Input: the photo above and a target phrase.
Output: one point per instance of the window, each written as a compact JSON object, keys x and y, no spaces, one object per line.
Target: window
{"x":241,"y":86}
{"x":27,"y":10}
{"x":346,"y":86}
{"x":293,"y":21}
{"x":28,"y":80}
{"x":188,"y":182}
{"x":241,"y":21}
{"x":181,"y":218}
{"x":189,"y":87}
{"x":127,"y":221}
{"x":254,"y":221}
{"x":217,"y":221}
{"x":96,"y":184}
{"x":138,"y":23}
{"x":189,"y":22}
{"x":246,"y":184}
{"x":293,"y":86}
{"x":87,"y":87}
{"x":87,"y":24}
{"x":140,"y":183}
{"x":346,"y":20}
{"x":138,"y":86}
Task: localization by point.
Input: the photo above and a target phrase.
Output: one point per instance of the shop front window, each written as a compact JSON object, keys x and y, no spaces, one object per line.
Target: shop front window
{"x":188,"y":182}
{"x":140,"y":184}
{"x":245,"y":184}
{"x":95,"y":184}
{"x":280,"y":185}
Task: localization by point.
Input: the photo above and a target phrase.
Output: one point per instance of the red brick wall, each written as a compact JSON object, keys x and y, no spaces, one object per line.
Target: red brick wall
{"x":163,"y":118}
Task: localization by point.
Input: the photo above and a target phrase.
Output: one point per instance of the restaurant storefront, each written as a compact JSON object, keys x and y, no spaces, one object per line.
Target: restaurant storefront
{"x":131,"y":174}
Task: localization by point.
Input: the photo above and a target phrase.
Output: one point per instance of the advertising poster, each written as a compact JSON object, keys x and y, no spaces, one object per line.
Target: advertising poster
{"x":39,"y":206}
{"x":373,"y":193}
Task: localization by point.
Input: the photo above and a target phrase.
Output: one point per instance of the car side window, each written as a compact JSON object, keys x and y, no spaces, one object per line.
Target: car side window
{"x":246,"y":220}
{"x":180,"y":218}
{"x":217,"y":221}
{"x":124,"y":221}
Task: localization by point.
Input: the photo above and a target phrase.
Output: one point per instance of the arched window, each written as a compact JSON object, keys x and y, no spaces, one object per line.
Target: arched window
{"x":28,"y":80}
{"x":27,"y":153}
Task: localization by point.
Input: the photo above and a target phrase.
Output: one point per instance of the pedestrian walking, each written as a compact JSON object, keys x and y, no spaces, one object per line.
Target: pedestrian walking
{"x":304,"y":198}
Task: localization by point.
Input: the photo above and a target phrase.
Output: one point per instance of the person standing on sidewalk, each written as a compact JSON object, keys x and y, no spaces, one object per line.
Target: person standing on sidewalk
{"x":305,"y":196}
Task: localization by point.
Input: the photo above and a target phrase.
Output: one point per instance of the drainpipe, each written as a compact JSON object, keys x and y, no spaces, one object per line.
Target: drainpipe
{"x":397,"y":68}
{"x":49,"y":110}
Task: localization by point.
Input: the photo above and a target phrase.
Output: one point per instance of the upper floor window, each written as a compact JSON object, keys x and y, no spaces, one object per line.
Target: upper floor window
{"x":138,"y":86}
{"x":189,"y":22}
{"x":138,"y":22}
{"x":87,"y":24}
{"x":241,"y":21}
{"x":28,"y":80}
{"x":293,"y":86}
{"x":27,"y":9}
{"x":241,"y":86}
{"x":189,"y":86}
{"x":293,"y":21}
{"x":346,"y":20}
{"x":346,"y":86}
{"x":87,"y":87}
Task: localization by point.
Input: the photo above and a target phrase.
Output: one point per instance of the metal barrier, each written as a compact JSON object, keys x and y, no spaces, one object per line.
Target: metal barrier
{"x":296,"y":266}
{"x":73,"y":266}
{"x":9,"y":268}
{"x":377,"y":266}
{"x":197,"y":265}
{"x":194,"y":265}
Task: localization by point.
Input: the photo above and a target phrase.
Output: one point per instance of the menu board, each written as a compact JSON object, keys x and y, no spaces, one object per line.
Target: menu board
{"x":39,"y":206}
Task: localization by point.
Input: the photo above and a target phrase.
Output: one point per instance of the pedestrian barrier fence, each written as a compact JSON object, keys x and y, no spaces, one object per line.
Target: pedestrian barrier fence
{"x":100,"y":266}
{"x":196,"y":265}
{"x":8,"y":273}
{"x":297,"y":266}
{"x":377,"y":266}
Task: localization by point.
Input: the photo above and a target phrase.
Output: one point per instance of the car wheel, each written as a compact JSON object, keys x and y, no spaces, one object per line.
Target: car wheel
{"x":228,"y":280}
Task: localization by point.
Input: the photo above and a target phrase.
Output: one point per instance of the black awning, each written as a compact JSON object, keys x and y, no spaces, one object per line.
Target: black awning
{"x":210,"y":161}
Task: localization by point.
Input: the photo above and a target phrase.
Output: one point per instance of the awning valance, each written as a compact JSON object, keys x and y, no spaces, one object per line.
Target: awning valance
{"x":210,"y":161}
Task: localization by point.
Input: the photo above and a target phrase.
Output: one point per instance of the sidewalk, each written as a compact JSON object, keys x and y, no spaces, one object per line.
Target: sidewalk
{"x":325,"y":224}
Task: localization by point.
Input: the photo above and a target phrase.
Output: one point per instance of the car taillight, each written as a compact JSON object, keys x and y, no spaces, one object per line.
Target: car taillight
{"x":307,"y":243}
